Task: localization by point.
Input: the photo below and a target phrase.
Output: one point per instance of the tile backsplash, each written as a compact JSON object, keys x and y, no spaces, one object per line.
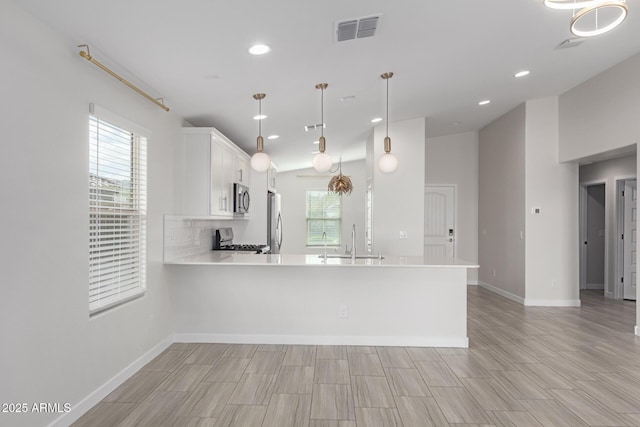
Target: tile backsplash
{"x":186,"y":236}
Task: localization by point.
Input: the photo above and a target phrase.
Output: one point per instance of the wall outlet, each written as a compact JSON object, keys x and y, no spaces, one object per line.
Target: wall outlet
{"x":343,"y":312}
{"x":403,"y":235}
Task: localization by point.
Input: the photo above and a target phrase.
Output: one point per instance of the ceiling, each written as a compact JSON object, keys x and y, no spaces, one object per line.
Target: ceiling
{"x":446,"y":55}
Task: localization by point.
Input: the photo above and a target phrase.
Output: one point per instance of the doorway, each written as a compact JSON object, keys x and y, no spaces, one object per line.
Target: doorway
{"x":593,"y":265}
{"x":439,"y":220}
{"x":627,"y":226}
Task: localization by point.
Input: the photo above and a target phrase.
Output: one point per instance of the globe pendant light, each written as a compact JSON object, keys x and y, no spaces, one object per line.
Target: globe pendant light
{"x":388,"y":162}
{"x":260,"y":161}
{"x":322,"y":161}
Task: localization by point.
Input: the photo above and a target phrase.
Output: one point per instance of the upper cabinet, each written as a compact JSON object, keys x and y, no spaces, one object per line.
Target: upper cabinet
{"x":212,"y":164}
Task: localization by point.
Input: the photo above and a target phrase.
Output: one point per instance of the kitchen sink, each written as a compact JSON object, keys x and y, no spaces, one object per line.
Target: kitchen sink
{"x":349,"y":256}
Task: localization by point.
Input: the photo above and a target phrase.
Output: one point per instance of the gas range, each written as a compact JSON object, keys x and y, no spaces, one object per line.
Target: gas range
{"x":223,"y":241}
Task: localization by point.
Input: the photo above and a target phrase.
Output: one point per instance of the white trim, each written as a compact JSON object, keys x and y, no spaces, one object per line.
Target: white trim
{"x":402,"y":341}
{"x":609,"y":294}
{"x":501,"y":292}
{"x":583,"y":230}
{"x":636,"y":330}
{"x":472,"y":282}
{"x":80,"y":408}
{"x":552,"y":302}
{"x":119,"y":121}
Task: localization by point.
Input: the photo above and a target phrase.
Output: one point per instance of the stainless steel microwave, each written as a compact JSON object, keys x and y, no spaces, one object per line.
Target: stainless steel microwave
{"x":241,"y":198}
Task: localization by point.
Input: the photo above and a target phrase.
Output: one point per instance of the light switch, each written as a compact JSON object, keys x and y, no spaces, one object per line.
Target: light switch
{"x":403,"y":235}
{"x":536,"y":210}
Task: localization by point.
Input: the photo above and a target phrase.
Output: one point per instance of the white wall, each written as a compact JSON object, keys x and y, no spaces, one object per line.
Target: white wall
{"x":609,"y":171}
{"x":551,"y":236}
{"x":52,"y":351}
{"x":453,"y":159}
{"x":293,"y":185}
{"x":601,"y":114}
{"x":501,"y":203}
{"x":398,"y":203}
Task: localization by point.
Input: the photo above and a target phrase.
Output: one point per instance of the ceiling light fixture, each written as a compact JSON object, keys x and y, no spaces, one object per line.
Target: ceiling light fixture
{"x":273,"y":137}
{"x":322,"y":161}
{"x":522,"y":73}
{"x":595,"y":17}
{"x":388,"y":162}
{"x":485,"y":102}
{"x":260,"y":161}
{"x":259,"y":49}
{"x":588,"y":22}
{"x":260,"y":117}
{"x":376,"y":120}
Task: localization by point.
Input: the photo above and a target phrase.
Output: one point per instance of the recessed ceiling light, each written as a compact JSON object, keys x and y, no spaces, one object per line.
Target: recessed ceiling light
{"x":260,"y":117}
{"x":485,"y":102}
{"x":521,"y":73}
{"x":259,"y":49}
{"x":376,"y":120}
{"x":315,"y":152}
{"x":348,"y":98}
{"x":273,"y":137}
{"x":316,"y":142}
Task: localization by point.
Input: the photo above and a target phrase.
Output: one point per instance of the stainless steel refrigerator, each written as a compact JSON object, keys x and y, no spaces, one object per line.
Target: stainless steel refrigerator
{"x":274,"y":222}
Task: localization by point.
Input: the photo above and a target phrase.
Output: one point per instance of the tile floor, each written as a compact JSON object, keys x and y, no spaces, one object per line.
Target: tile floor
{"x":526,"y":366}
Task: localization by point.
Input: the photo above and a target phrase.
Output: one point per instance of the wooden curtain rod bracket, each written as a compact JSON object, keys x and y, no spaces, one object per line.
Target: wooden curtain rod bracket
{"x":87,"y":55}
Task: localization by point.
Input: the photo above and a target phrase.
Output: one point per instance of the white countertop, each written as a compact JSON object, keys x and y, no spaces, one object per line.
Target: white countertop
{"x":232,"y":258}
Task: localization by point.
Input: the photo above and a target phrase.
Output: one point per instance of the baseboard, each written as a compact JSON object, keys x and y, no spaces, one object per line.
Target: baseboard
{"x":609,"y":295}
{"x":472,"y":282}
{"x":637,"y":331}
{"x":501,"y":292}
{"x":594,"y":286}
{"x":80,"y":408}
{"x":552,"y":302}
{"x":403,"y":341}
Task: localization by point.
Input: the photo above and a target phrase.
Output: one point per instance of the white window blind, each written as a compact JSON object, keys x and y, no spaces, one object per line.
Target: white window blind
{"x":324,"y":210}
{"x":117,"y":214}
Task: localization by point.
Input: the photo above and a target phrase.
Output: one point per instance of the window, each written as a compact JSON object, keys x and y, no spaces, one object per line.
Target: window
{"x":117,"y":214}
{"x":324,"y":210}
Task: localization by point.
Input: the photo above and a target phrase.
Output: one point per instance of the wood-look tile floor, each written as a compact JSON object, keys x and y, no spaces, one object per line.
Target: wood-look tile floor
{"x":525,"y":366}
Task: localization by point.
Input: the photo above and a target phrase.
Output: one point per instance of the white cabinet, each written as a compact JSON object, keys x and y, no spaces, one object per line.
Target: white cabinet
{"x":211,"y":166}
{"x":241,"y":164}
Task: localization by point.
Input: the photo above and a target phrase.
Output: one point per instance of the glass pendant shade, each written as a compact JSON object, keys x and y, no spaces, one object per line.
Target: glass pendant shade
{"x":260,"y":162}
{"x":322,"y":162}
{"x":388,"y":163}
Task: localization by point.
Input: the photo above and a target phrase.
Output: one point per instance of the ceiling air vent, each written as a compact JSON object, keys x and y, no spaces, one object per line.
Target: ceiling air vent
{"x":569,"y":43}
{"x":357,"y":28}
{"x":314,"y":126}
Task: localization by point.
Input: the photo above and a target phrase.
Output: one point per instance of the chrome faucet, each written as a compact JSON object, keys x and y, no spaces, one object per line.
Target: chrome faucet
{"x":353,"y":243}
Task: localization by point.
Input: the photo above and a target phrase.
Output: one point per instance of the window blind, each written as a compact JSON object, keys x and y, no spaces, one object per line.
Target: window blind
{"x":117,"y":214}
{"x":323,"y":211}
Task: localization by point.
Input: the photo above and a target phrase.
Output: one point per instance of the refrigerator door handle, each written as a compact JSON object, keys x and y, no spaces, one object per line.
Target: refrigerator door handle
{"x":279,"y":231}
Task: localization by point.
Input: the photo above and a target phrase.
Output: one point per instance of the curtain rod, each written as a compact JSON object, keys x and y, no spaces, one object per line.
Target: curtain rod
{"x":87,"y":55}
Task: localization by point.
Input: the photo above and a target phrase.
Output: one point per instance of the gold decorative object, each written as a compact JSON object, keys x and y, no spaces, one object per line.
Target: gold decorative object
{"x":340,"y":184}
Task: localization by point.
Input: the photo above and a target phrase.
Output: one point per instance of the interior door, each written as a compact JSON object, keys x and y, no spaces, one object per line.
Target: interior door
{"x":630,"y":226}
{"x":439,"y":221}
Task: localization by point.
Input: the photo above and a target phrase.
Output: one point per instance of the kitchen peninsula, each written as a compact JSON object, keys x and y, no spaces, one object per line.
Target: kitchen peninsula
{"x":306,"y":299}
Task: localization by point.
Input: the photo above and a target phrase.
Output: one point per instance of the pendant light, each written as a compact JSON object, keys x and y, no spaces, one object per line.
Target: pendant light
{"x":260,"y":161}
{"x":340,"y":184}
{"x":388,"y":162}
{"x":322,"y":161}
